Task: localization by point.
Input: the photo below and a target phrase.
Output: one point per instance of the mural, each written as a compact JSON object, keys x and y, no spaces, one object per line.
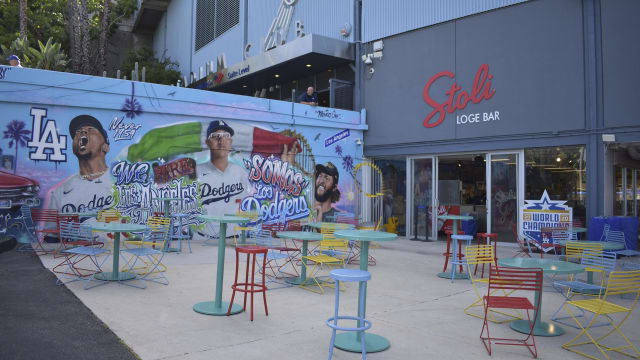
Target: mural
{"x":128,"y":156}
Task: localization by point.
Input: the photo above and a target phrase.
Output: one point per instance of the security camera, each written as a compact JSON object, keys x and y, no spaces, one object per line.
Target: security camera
{"x":371,"y":71}
{"x":368,"y":60}
{"x":358,"y":142}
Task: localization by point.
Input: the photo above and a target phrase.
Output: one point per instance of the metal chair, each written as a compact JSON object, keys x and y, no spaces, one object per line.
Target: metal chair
{"x":508,"y":279}
{"x":156,"y":236}
{"x":81,"y":234}
{"x":264,"y":238}
{"x":246,"y":286}
{"x":29,"y":241}
{"x":484,"y":255}
{"x":594,"y":261}
{"x":615,"y":236}
{"x":362,"y":277}
{"x":619,"y":283}
{"x":252,"y":225}
{"x":486,"y":239}
{"x":574,"y":249}
{"x":332,"y":252}
{"x":551,"y":237}
{"x":524,"y":248}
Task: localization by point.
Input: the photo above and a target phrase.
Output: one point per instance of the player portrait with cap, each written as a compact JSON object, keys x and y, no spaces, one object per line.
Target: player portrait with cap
{"x":221,"y":181}
{"x":90,"y":189}
{"x":14,"y":60}
{"x":326,"y":192}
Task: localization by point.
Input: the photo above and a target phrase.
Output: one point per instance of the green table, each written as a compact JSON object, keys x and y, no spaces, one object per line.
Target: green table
{"x":116,"y":228}
{"x":350,"y":341}
{"x":319,"y":225}
{"x":548,"y":266}
{"x":305,"y":236}
{"x":167,"y":214}
{"x":454,"y":250}
{"x":219,"y":307}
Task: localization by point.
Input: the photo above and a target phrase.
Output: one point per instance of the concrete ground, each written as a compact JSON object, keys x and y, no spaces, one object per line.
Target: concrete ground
{"x":421,"y":314}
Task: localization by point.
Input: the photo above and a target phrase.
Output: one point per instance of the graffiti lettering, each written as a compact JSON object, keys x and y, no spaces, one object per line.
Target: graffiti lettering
{"x":3,"y":71}
{"x":96,"y":203}
{"x":277,"y":173}
{"x":127,"y":173}
{"x":280,"y":208}
{"x":263,"y":191}
{"x":45,"y":139}
{"x":123,"y":131}
{"x":174,"y":170}
{"x":328,"y":114}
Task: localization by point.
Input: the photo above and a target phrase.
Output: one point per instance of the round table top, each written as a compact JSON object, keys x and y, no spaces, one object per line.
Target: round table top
{"x":319,"y":225}
{"x":548,"y":265}
{"x":117,"y":227}
{"x":365,"y":235}
{"x":300,"y":235}
{"x":606,"y":245}
{"x":578,"y":229}
{"x":455,"y":217}
{"x":224,"y":219}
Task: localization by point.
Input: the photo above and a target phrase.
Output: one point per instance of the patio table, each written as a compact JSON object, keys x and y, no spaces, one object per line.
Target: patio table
{"x":305,"y":236}
{"x":606,"y":245}
{"x":454,"y":219}
{"x":350,"y":341}
{"x":318,"y":225}
{"x":116,"y":228}
{"x":219,"y":307}
{"x":548,"y":267}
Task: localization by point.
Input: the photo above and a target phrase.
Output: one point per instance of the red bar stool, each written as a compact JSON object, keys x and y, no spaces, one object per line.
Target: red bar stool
{"x":447,"y":253}
{"x":246,"y":286}
{"x":484,"y":239}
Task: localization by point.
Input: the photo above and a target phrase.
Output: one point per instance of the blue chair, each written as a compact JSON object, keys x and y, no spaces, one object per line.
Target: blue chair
{"x":263,"y":237}
{"x":177,"y":232}
{"x":28,"y":240}
{"x":363,"y":324}
{"x":599,"y":261}
{"x":154,"y":269}
{"x":615,"y":236}
{"x":457,"y":259}
{"x":79,"y":233}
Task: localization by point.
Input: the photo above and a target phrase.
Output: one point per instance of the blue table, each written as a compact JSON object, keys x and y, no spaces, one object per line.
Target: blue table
{"x":305,"y":236}
{"x":454,"y":250}
{"x":116,"y":228}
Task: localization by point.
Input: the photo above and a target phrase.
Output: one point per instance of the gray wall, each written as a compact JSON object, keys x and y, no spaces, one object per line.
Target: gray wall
{"x":534,"y":51}
{"x":620,"y":62}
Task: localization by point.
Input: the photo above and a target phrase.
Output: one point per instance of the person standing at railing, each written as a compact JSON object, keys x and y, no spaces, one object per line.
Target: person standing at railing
{"x":309,"y":98}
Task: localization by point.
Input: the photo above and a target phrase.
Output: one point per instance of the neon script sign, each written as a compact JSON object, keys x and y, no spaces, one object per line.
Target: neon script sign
{"x":481,"y":90}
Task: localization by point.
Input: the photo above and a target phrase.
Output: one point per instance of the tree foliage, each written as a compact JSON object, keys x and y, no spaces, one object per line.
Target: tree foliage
{"x":159,"y":71}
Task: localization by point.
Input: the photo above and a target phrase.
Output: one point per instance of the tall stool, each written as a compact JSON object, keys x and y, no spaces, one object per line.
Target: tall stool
{"x":447,"y":253}
{"x":457,"y":260}
{"x":484,"y":239}
{"x":363,"y":324}
{"x":179,"y":235}
{"x":246,"y":286}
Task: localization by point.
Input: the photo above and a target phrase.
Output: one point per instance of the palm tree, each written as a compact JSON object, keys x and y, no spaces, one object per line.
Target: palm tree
{"x":16,"y":133}
{"x":23,"y":18}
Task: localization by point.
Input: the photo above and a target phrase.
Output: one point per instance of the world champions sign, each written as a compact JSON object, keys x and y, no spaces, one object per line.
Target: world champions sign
{"x":544,"y":213}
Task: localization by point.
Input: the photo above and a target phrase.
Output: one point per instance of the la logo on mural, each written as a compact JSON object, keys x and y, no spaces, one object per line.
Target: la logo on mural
{"x":45,"y":137}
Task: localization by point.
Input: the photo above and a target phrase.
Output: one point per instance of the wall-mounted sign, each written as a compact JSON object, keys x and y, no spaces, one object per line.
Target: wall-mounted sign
{"x":337,"y":137}
{"x":458,"y":100}
{"x":544,"y":213}
{"x":235,"y":73}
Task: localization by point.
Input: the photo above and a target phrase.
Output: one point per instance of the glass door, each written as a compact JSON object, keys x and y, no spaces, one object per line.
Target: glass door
{"x":420,"y":190}
{"x":505,"y":192}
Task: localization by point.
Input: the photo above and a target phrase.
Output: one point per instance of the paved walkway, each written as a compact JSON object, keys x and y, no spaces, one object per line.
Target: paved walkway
{"x":418,"y":312}
{"x":39,"y":320}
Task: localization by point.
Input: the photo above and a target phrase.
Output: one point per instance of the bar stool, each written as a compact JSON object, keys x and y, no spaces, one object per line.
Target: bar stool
{"x":179,"y":235}
{"x":350,"y":275}
{"x":246,"y":286}
{"x":447,"y":253}
{"x":484,"y":239}
{"x":458,"y":261}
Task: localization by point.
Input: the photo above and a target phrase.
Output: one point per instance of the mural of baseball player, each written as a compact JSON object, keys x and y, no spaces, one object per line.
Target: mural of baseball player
{"x":326,"y":192}
{"x":91,"y":189}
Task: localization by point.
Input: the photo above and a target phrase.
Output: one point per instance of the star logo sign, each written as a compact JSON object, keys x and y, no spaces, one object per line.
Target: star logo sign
{"x":545,"y":203}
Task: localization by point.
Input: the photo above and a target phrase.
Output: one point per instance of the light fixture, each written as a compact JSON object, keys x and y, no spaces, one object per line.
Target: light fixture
{"x":329,"y":70}
{"x":558,"y":159}
{"x":276,"y":75}
{"x":244,"y":86}
{"x":308,"y":65}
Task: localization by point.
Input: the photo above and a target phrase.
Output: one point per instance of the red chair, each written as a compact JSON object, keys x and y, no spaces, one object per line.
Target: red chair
{"x":246,"y":286}
{"x":512,"y":279}
{"x":447,"y":253}
{"x":485,"y":239}
{"x":292,"y":252}
{"x":46,"y":223}
{"x":525,"y":248}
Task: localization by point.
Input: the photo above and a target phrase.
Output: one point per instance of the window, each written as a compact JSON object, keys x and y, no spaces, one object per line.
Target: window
{"x":562,"y":172}
{"x":214,"y":18}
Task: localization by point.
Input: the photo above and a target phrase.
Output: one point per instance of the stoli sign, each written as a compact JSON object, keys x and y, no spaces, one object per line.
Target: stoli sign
{"x":481,"y":90}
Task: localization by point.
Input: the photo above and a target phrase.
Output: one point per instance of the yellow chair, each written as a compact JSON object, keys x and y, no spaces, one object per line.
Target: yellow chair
{"x":253,"y":218}
{"x":574,"y":249}
{"x":109,"y":215}
{"x":480,"y":255}
{"x":154,"y":237}
{"x":332,"y":252}
{"x":619,"y":283}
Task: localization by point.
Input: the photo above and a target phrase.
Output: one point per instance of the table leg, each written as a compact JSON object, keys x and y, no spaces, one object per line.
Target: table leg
{"x":218,"y":307}
{"x":303,"y":271}
{"x":351,"y":341}
{"x":454,"y":254}
{"x":167,"y":246}
{"x":115,"y":274}
{"x":541,"y":328}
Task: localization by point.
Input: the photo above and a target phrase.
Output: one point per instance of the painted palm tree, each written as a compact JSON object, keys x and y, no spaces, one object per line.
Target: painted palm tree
{"x":17,"y":135}
{"x":131,"y":106}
